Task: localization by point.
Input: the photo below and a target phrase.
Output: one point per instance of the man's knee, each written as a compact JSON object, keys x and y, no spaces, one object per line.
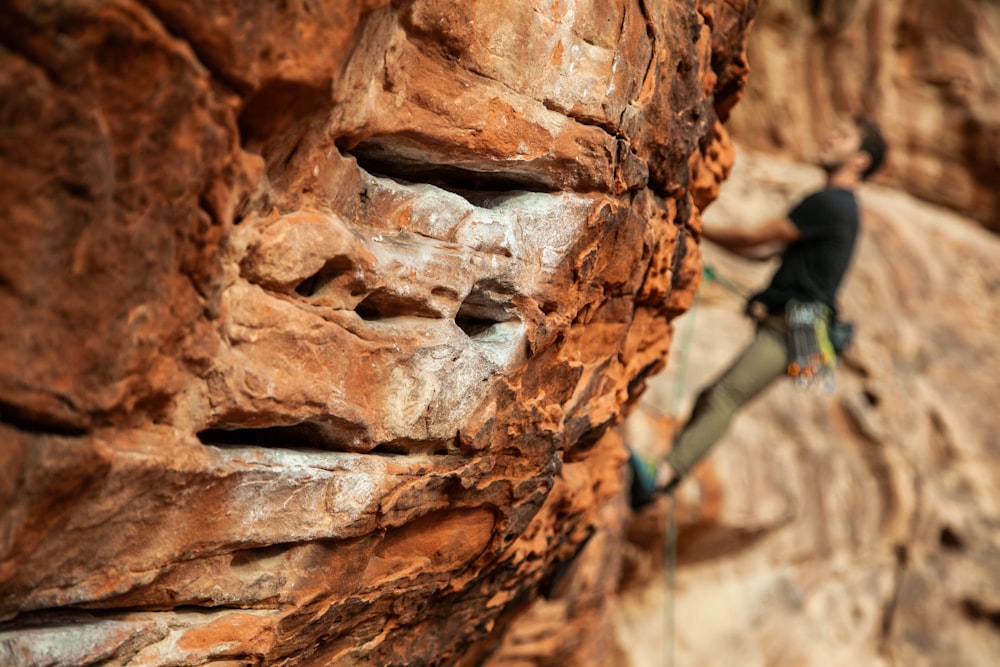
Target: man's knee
{"x":716,"y":398}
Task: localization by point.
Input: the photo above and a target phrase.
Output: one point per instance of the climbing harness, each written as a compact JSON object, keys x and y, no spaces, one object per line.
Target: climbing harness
{"x":812,"y":356}
{"x":815,"y":338}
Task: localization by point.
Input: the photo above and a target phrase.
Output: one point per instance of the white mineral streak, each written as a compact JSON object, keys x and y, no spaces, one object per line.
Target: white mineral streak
{"x":71,"y":645}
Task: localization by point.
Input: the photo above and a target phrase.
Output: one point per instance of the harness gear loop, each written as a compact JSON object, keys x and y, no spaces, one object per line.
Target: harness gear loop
{"x":813,"y":356}
{"x":815,"y":336}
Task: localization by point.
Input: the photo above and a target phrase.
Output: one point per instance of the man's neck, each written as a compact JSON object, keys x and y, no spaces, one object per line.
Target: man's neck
{"x":845,"y":178}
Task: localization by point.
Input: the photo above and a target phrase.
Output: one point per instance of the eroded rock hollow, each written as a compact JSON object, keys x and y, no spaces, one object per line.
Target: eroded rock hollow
{"x":317,"y":317}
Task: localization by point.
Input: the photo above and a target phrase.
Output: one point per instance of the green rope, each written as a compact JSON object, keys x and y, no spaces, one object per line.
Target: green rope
{"x":711,"y":275}
{"x":670,"y":532}
{"x":670,"y":573}
{"x":669,"y":637}
{"x":685,"y":353}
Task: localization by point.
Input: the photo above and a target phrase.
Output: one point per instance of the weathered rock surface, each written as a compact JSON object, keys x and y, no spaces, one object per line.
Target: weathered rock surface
{"x":317,"y":318}
{"x":857,"y":528}
{"x":928,"y":70}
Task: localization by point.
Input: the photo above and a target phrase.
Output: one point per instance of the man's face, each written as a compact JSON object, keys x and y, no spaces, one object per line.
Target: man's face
{"x":841,"y":145}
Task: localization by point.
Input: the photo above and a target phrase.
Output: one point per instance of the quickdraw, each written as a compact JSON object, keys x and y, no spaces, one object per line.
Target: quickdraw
{"x":813,"y":356}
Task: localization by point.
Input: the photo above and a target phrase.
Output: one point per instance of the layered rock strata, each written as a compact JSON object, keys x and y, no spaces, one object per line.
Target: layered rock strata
{"x":318,"y":317}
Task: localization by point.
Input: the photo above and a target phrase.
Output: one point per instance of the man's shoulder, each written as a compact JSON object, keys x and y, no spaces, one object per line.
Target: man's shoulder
{"x":829,"y":208}
{"x":832,"y":192}
{"x":829,"y":197}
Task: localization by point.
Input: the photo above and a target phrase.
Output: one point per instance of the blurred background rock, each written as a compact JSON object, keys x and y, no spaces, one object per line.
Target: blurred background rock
{"x":857,"y":528}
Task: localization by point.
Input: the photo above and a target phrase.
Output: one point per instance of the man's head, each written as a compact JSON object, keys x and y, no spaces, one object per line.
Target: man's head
{"x":855,"y":146}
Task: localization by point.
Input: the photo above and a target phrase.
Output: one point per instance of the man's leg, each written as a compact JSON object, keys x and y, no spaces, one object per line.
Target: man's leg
{"x":763,"y":361}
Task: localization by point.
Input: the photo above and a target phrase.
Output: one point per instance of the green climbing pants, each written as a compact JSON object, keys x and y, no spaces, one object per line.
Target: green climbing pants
{"x":761,"y":363}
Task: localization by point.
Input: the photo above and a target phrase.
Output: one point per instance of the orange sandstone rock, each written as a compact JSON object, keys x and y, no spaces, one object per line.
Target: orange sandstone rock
{"x":319,"y":318}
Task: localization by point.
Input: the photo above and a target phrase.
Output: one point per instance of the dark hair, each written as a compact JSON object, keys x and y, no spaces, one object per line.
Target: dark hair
{"x":873,"y":143}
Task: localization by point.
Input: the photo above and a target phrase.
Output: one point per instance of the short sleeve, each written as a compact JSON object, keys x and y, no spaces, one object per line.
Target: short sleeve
{"x":815,"y":216}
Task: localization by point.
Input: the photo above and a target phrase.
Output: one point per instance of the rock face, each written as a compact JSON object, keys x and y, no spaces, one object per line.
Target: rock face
{"x":317,"y":318}
{"x":929,"y":71}
{"x":857,"y":528}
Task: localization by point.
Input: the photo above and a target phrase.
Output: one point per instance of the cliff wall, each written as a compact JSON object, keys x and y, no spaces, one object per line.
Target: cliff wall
{"x":318,"y":317}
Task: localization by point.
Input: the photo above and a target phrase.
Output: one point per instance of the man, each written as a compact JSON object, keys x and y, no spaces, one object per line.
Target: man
{"x":816,"y":241}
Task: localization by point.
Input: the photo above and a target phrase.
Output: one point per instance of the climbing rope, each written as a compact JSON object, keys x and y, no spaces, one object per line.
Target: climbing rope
{"x":670,"y":532}
{"x":669,"y":637}
{"x":712,"y":276}
{"x":682,"y":361}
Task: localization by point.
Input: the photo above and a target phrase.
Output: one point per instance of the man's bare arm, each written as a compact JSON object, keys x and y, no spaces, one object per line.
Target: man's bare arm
{"x":760,"y":242}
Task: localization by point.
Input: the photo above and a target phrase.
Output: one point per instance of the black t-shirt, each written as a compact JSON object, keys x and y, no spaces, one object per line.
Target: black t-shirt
{"x":813,"y":267}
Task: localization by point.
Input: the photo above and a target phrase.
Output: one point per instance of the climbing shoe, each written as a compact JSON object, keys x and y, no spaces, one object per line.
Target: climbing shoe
{"x":645,"y":486}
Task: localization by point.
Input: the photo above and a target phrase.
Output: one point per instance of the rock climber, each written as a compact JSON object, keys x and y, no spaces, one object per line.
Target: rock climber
{"x":815,"y":242}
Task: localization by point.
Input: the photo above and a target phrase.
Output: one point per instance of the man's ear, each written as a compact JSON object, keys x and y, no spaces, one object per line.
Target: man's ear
{"x":862,"y":160}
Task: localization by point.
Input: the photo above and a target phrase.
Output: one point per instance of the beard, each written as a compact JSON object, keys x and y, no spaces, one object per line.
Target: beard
{"x":830,"y":164}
